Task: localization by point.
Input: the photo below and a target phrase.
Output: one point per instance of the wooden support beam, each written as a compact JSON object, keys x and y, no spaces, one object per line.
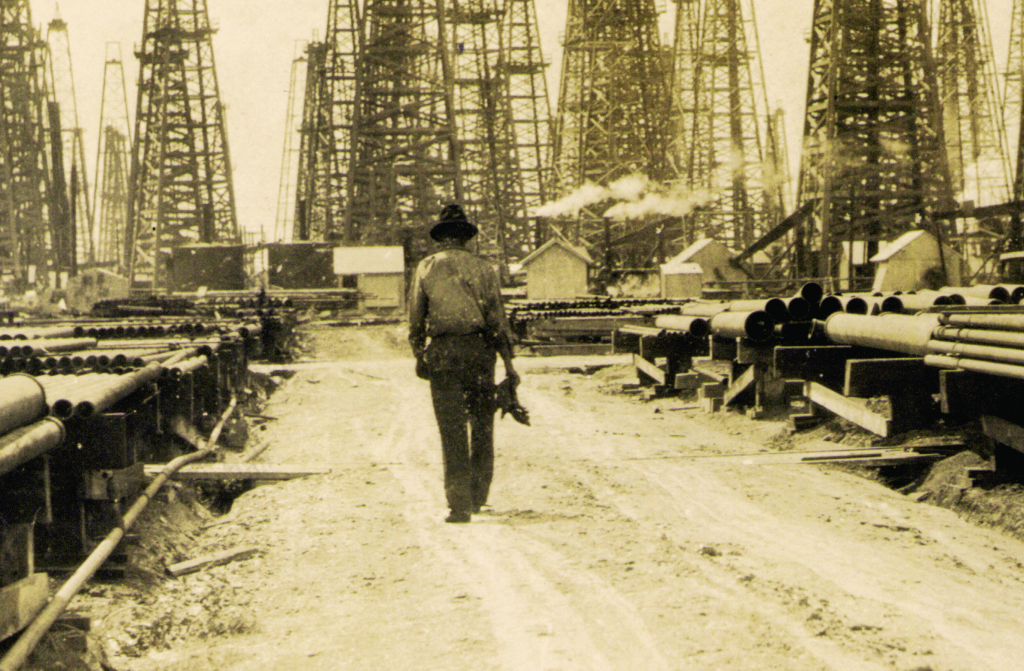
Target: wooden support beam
{"x":722,"y":349}
{"x":740,"y":386}
{"x":239,"y":471}
{"x":755,"y":353}
{"x":817,"y":363}
{"x":21,"y":602}
{"x":865,"y":378}
{"x":1002,"y":431}
{"x":851,"y":409}
{"x":649,"y":369}
{"x":215,"y":559}
{"x":577,"y":349}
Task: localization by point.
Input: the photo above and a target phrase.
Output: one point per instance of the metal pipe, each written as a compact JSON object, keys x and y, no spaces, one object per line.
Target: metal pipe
{"x":756,"y":325}
{"x":703,"y":309}
{"x":186,"y":366}
{"x":799,"y":308}
{"x":22,"y":401}
{"x":976,"y":351}
{"x":18,"y":653}
{"x":980,"y":336}
{"x":894,"y":332}
{"x":28,"y":442}
{"x":829,"y":305}
{"x":812,"y":293}
{"x":987,"y":291}
{"x":1006,"y":322}
{"x":975,"y":365}
{"x":915,"y":301}
{"x":695,"y":326}
{"x":630,"y":329}
{"x":104,"y":397}
{"x":775,"y":307}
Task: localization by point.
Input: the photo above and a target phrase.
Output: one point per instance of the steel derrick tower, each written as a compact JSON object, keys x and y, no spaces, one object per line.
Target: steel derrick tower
{"x":284,"y":221}
{"x":724,"y":123}
{"x":873,"y":161}
{"x":35,"y":235}
{"x":180,"y":188}
{"x":613,"y":109}
{"x":113,"y":157}
{"x":63,"y":91}
{"x":405,"y":157}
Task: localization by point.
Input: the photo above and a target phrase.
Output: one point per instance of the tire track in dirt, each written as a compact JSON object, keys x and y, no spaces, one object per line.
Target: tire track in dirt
{"x":544,"y":612}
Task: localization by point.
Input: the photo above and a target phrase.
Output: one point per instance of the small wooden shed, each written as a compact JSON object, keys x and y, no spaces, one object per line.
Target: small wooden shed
{"x":379,"y":273}
{"x":714,"y":260}
{"x":912,"y":262}
{"x":557,"y":269}
{"x":681,"y":280}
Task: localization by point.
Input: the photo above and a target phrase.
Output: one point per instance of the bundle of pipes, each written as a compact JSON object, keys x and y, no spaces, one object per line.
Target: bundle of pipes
{"x":987,"y":342}
{"x":25,"y":332}
{"x":25,"y":431}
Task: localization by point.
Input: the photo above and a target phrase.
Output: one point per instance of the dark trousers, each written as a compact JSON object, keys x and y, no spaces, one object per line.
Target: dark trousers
{"x":462,"y":388}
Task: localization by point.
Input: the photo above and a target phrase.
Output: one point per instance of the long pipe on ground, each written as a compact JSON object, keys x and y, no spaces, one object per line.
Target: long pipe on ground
{"x":975,"y":351}
{"x":975,"y":365}
{"x":776,"y":308}
{"x":101,"y":398}
{"x":980,"y":336}
{"x":695,"y":326}
{"x":28,"y":442}
{"x":1008,"y":322}
{"x":30,"y":332}
{"x":703,"y":309}
{"x":894,"y":332}
{"x":22,"y":401}
{"x":756,"y":325}
{"x":19,"y":652}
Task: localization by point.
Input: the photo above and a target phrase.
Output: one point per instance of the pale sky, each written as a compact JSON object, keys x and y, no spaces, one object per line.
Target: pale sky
{"x":255,"y":45}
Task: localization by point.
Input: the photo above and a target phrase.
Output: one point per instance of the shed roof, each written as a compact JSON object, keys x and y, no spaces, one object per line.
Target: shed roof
{"x":674,"y":267}
{"x":693,"y":250}
{"x":369,"y":260}
{"x":578,"y":252}
{"x":898,"y":245}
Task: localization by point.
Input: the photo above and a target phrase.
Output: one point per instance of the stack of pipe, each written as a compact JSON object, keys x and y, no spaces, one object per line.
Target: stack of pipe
{"x":988,"y":342}
{"x":984,"y":342}
{"x":25,"y":430}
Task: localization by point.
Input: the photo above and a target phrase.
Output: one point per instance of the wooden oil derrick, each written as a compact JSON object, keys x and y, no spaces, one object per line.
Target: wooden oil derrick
{"x":181,"y":188}
{"x":1013,"y":113}
{"x":975,"y":136}
{"x":613,"y":118}
{"x":405,"y":157}
{"x":874,"y":159}
{"x":501,"y":113}
{"x":524,"y":69}
{"x":329,"y":110}
{"x":36,"y":238}
{"x":975,"y":143}
{"x":284,"y":221}
{"x":727,"y":130}
{"x":63,"y":92}
{"x":112,"y":166}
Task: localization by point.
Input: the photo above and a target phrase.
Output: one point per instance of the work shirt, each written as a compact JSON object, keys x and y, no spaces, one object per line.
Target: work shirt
{"x":456,"y":292}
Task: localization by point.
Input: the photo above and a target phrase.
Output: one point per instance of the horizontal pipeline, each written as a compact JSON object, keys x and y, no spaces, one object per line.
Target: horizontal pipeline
{"x":28,"y":442}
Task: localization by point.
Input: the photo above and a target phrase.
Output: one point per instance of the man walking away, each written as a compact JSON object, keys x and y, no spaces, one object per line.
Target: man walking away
{"x":457,"y":327}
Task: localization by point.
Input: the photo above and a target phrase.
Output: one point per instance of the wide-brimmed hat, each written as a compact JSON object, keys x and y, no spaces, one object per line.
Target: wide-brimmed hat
{"x":453,"y":224}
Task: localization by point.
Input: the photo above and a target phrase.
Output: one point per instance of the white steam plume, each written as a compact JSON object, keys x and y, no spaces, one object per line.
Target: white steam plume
{"x":571,"y":204}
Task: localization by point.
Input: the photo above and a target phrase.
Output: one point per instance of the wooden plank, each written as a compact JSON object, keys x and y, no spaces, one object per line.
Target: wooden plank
{"x":578,"y":349}
{"x":809,"y":362}
{"x":1002,"y":431}
{"x":215,"y":559}
{"x":739,"y":386}
{"x":881,"y":377}
{"x":239,"y":471}
{"x":851,"y":409}
{"x":709,"y":373}
{"x":751,"y":352}
{"x":21,"y":601}
{"x":649,"y":369}
{"x":687,"y":382}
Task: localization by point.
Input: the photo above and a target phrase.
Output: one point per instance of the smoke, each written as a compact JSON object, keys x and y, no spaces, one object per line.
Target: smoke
{"x":637,"y":197}
{"x":672,"y":201}
{"x":571,"y":204}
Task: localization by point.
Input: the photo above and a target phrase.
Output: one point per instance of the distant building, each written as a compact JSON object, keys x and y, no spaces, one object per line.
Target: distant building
{"x":913,"y":262}
{"x":301,"y":265}
{"x":681,"y":280}
{"x":714,"y":260}
{"x":92,"y":285}
{"x":377,"y":272}
{"x":557,"y":269}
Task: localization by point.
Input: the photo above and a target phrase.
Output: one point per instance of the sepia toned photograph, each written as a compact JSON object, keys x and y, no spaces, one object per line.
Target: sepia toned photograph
{"x":511,"y":335}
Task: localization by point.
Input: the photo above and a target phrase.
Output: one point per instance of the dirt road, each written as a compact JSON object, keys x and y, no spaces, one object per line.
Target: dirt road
{"x":611,"y":542}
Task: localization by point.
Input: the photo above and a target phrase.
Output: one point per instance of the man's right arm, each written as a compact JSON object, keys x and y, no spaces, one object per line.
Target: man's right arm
{"x":418,"y":314}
